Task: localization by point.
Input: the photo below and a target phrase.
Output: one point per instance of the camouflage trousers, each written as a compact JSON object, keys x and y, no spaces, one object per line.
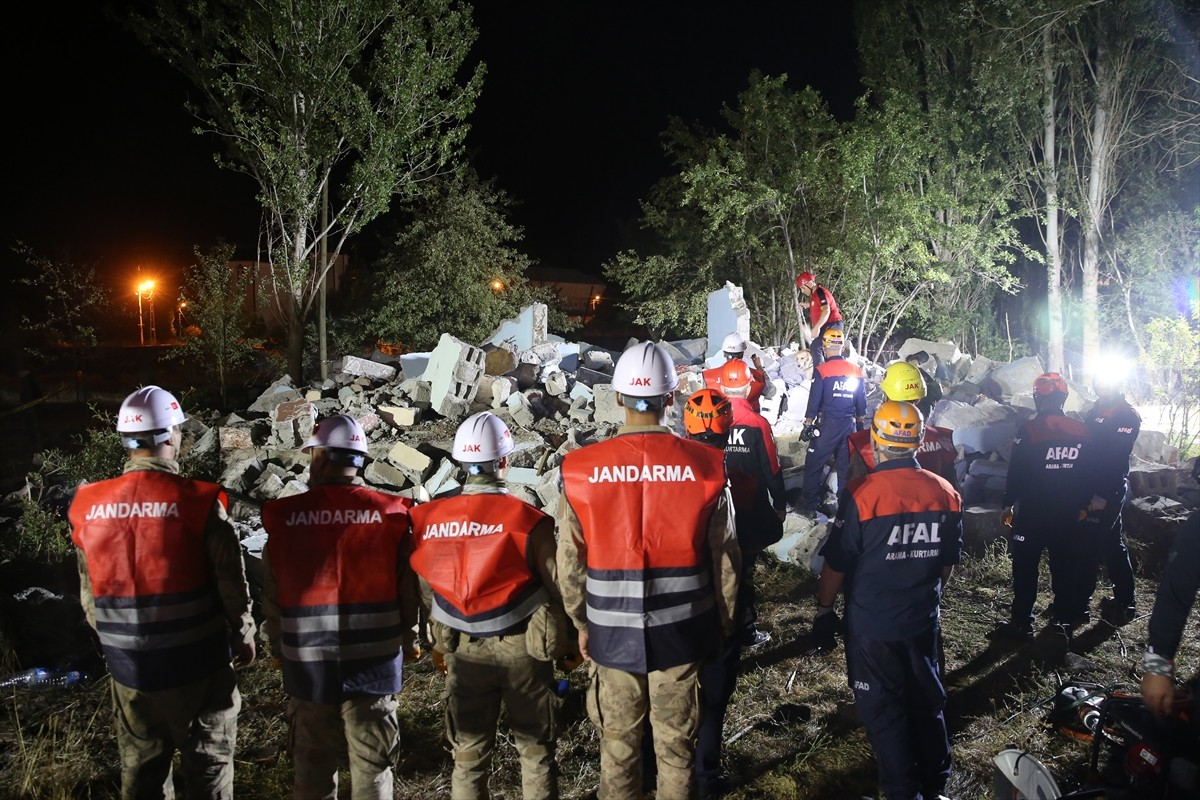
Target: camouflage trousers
{"x":199,"y":720}
{"x":618,"y":704}
{"x":364,"y":728}
{"x":482,"y":675}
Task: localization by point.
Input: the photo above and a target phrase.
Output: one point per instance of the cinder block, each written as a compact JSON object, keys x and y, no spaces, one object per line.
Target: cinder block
{"x":399,"y":416}
{"x":454,"y":370}
{"x":410,"y":460}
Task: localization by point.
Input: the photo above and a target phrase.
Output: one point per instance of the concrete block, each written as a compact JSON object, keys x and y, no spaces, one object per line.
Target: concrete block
{"x":526,"y":375}
{"x":727,"y":313}
{"x":568,"y":356}
{"x":524,"y":331}
{"x":581,"y":391}
{"x":234,"y":439}
{"x":801,"y":542}
{"x":606,"y":408}
{"x":353,"y":365}
{"x":411,"y":460}
{"x":346,"y":395}
{"x":1154,"y":479}
{"x":498,"y":360}
{"x":293,"y":423}
{"x":1008,"y":380}
{"x":399,"y":416}
{"x":381,"y":473}
{"x":240,"y":475}
{"x":1151,"y":445}
{"x":523,"y":475}
{"x":599,"y":359}
{"x":312,"y":395}
{"x":293,"y":487}
{"x":268,"y":487}
{"x":556,"y":383}
{"x":453,"y":372}
{"x":413,"y":365}
{"x":445,"y":472}
{"x":206,"y":444}
{"x":693,"y":350}
{"x":278,"y":392}
{"x":980,"y":367}
{"x":370,"y":422}
{"x":521,"y":409}
{"x":418,"y":391}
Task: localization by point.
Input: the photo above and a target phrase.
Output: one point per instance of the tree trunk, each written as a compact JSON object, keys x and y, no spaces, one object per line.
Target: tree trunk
{"x":295,"y":343}
{"x":1054,"y":300}
{"x":1100,"y":164}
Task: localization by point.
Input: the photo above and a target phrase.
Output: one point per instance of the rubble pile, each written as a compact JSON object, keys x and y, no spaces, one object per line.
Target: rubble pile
{"x":557,"y":395}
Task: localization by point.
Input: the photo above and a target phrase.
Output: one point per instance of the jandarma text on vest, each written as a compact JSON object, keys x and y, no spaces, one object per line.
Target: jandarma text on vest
{"x":639,"y":473}
{"x":446,"y":530}
{"x":129,"y":510}
{"x":337,"y":516}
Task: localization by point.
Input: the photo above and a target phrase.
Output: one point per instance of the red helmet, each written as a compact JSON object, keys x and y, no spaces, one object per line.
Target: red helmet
{"x":805,"y":279}
{"x":1048,"y":384}
{"x":707,"y":411}
{"x":735,"y":374}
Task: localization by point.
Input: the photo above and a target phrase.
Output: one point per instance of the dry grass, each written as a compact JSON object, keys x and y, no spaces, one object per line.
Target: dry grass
{"x":791,"y":730}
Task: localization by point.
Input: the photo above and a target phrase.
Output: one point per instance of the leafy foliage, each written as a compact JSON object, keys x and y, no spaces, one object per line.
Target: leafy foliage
{"x":70,"y":301}
{"x":1172,"y":362}
{"x":454,"y":268}
{"x":218,"y":341}
{"x":355,"y":100}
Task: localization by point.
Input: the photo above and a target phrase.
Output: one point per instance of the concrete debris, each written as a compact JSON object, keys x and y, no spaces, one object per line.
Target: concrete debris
{"x":557,"y":396}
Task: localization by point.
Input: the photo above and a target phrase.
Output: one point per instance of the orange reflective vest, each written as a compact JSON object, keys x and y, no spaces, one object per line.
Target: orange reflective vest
{"x":158,"y":615}
{"x":644,"y":502}
{"x":336,"y":551}
{"x":472,"y":551}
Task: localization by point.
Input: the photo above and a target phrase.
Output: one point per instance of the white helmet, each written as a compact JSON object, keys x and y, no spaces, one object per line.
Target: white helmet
{"x":339,"y":431}
{"x":734,"y":343}
{"x":645,"y":370}
{"x":149,"y":410}
{"x":482,"y":437}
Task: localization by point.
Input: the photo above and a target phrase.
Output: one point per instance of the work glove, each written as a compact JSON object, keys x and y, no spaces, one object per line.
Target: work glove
{"x":808,"y":431}
{"x":439,"y":660}
{"x":826,"y":628}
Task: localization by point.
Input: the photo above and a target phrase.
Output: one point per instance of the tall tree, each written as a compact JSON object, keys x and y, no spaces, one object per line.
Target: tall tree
{"x":367,"y":98}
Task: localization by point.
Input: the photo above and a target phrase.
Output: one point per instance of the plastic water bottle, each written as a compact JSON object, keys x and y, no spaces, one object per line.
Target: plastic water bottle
{"x":39,"y":678}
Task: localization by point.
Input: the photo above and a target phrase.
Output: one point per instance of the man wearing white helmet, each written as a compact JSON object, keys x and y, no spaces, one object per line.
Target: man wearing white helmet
{"x":498,"y":622}
{"x":734,"y":347}
{"x":340,"y":613}
{"x":162,"y":581}
{"x":648,"y":565}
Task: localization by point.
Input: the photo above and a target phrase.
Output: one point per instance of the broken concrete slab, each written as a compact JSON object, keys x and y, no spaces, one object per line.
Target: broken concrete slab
{"x":727,"y":313}
{"x":411,"y":460}
{"x":1008,"y":380}
{"x":527,"y":329}
{"x":499,"y":360}
{"x":353,"y":365}
{"x":381,"y":473}
{"x":278,"y":392}
{"x":400,"y":416}
{"x":453,"y":373}
{"x":606,"y":410}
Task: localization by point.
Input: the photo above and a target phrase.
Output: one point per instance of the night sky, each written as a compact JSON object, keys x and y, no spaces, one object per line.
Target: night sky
{"x":106,"y":169}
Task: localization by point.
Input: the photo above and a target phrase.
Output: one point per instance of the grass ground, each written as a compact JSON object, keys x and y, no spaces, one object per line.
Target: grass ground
{"x":791,"y":733}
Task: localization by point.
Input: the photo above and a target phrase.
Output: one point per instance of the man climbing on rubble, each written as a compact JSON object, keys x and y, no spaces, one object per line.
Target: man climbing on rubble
{"x":734,"y":347}
{"x":823,"y":313}
{"x":837,"y":405}
{"x":162,"y":581}
{"x":1045,"y":491}
{"x":648,"y":565}
{"x":903,"y":382}
{"x":750,"y":450}
{"x":893,"y":545}
{"x":498,"y":622}
{"x":1114,"y":425}
{"x":340,"y":613}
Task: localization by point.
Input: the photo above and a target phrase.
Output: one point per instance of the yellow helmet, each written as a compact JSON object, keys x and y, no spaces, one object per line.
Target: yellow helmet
{"x":833,"y":337}
{"x":903,"y":381}
{"x":898,"y":424}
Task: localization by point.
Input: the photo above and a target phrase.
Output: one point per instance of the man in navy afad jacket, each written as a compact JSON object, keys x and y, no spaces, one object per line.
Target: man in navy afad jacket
{"x":893,"y":545}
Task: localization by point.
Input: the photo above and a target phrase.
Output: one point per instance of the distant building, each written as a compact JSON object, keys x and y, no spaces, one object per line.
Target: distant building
{"x":260,"y":302}
{"x":579,"y":294}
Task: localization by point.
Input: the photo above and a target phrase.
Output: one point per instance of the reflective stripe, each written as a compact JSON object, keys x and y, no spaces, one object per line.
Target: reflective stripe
{"x":646,"y":588}
{"x":343,"y":652}
{"x":650,"y":619}
{"x":325,"y":623}
{"x":141,"y":615}
{"x":492,"y":625}
{"x":158,"y":641}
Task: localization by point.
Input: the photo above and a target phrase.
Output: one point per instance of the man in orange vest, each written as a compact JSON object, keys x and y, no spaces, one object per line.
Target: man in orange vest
{"x":903,"y":382}
{"x":498,"y":622}
{"x":823,"y":313}
{"x":648,"y":565}
{"x":340,"y":611}
{"x":733,"y":348}
{"x":162,"y":581}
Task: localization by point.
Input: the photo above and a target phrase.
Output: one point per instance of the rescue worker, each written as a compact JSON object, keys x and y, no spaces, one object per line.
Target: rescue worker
{"x":750,"y":450}
{"x":340,"y":612}
{"x":648,"y":566}
{"x":708,"y":418}
{"x":837,"y":404}
{"x":162,"y":582}
{"x":1045,"y":490}
{"x":1174,"y":601}
{"x":933,"y":389}
{"x":823,"y":313}
{"x":903,"y":382}
{"x":892,"y":548}
{"x":1114,"y":426}
{"x":734,"y":347}
{"x":497,"y":618}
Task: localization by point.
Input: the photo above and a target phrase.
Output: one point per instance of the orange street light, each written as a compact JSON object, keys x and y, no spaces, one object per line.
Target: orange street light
{"x":497,"y":286}
{"x":146,"y":289}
